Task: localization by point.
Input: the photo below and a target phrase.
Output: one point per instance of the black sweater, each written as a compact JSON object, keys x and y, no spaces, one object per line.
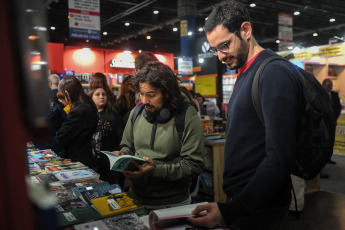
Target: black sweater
{"x":258,"y":157}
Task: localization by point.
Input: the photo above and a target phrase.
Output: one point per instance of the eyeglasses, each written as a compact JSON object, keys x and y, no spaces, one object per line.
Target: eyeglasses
{"x":223,"y":47}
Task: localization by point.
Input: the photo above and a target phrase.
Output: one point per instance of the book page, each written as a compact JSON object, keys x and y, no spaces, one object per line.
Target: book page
{"x":176,"y":212}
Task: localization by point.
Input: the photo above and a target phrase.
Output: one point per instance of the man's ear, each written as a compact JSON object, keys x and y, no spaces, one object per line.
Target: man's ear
{"x":246,"y":30}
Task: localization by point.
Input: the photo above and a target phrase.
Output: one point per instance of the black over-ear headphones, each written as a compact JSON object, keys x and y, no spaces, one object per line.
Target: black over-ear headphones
{"x":161,"y":116}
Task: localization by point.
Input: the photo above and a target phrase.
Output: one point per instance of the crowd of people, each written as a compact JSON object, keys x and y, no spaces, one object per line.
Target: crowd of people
{"x":143,"y":121}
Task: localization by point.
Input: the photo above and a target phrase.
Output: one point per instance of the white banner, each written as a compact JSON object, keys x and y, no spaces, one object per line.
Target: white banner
{"x":285,"y":30}
{"x":84,"y":19}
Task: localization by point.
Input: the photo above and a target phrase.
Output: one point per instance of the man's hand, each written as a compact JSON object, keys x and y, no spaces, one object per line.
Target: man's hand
{"x":211,"y":219}
{"x":142,"y":170}
{"x":117,"y":153}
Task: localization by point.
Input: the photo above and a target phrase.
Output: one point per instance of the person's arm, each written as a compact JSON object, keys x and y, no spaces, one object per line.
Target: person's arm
{"x":127,"y":142}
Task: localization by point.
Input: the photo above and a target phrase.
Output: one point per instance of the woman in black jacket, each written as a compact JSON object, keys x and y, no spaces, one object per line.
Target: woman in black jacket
{"x":76,"y":132}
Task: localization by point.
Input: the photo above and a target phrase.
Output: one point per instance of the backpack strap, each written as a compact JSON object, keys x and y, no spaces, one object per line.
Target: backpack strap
{"x":256,"y":82}
{"x":180,"y":118}
{"x":136,"y":112}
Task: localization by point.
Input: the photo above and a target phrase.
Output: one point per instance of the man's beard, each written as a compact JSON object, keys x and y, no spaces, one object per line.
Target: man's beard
{"x":242,"y":54}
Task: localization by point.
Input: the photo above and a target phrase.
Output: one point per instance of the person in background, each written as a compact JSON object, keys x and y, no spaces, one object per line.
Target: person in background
{"x":189,"y":96}
{"x":76,"y":132}
{"x":212,"y":109}
{"x":336,"y":105}
{"x":53,"y":82}
{"x":108,"y":135}
{"x":126,"y":100}
{"x":258,"y":156}
{"x":142,"y":59}
{"x":172,"y":162}
{"x":99,"y":79}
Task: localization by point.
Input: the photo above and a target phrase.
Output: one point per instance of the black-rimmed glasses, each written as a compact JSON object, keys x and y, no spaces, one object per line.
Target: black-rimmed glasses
{"x":223,"y":47}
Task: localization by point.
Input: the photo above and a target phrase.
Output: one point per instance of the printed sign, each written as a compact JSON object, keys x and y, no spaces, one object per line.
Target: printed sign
{"x":285,"y":32}
{"x":185,"y":66}
{"x":84,"y":19}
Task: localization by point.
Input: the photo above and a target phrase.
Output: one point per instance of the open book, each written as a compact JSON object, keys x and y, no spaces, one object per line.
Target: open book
{"x":172,"y":216}
{"x":124,"y":162}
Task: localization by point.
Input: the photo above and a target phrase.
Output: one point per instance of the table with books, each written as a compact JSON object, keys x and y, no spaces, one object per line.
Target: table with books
{"x":83,"y":201}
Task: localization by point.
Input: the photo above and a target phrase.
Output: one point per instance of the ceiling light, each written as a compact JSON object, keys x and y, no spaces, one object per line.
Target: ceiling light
{"x":40,"y":28}
{"x":87,"y":40}
{"x":290,"y":47}
{"x":315,"y":34}
{"x":201,"y":60}
{"x":33,"y":37}
{"x":332,"y":20}
{"x":201,"y":29}
{"x":297,"y":13}
{"x":206,"y":18}
{"x":127,"y":24}
{"x":140,"y":51}
{"x":278,"y":41}
{"x":52,"y":28}
{"x":156,"y":12}
{"x":190,"y":33}
{"x":252,"y":5}
{"x":105,"y":33}
{"x":175,"y":29}
{"x":148,"y":37}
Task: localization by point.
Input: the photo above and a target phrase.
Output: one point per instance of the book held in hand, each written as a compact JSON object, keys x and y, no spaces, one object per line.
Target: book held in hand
{"x":172,"y":216}
{"x":124,"y":162}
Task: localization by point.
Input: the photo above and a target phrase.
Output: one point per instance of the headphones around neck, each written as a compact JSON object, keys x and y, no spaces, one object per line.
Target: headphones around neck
{"x":161,"y":116}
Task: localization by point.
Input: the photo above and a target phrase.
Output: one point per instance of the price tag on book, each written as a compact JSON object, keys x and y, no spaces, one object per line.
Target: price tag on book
{"x":113,"y":205}
{"x":79,"y":184}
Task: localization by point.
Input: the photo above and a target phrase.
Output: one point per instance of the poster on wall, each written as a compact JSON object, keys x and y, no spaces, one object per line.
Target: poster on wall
{"x":84,"y":19}
{"x":206,"y":85}
{"x":339,"y":145}
{"x":185,"y":66}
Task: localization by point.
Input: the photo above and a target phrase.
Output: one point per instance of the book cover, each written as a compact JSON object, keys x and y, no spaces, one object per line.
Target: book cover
{"x":70,"y":204}
{"x":83,"y":188}
{"x":68,"y":185}
{"x":97,"y":224}
{"x":124,"y":162}
{"x":102,"y":191}
{"x":64,"y":195}
{"x":76,"y":175}
{"x":38,"y":172}
{"x":77,"y":216}
{"x":54,"y":162}
{"x":171,"y":216}
{"x":115,"y":204}
{"x":42,"y":155}
{"x":65,"y":167}
{"x":34,"y":167}
{"x":46,"y":178}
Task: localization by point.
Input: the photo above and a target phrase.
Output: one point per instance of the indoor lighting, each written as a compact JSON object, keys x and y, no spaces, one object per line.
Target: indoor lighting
{"x":87,"y":40}
{"x":201,"y":29}
{"x":105,"y":33}
{"x":175,"y":29}
{"x":33,"y":37}
{"x":40,"y":28}
{"x":290,"y":47}
{"x":278,"y":41}
{"x":52,"y":28}
{"x":297,"y":13}
{"x":155,"y":11}
{"x":252,"y":5}
{"x":201,"y":60}
{"x":315,"y":34}
{"x":127,"y":24}
{"x":296,"y":49}
{"x":140,"y":51}
{"x":332,"y":20}
{"x":148,"y":37}
{"x":190,"y":33}
{"x":127,"y":52}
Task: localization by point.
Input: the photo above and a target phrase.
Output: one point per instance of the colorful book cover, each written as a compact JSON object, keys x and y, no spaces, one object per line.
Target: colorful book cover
{"x":70,"y":204}
{"x":54,"y":162}
{"x":83,"y":188}
{"x":42,"y":155}
{"x":68,"y":185}
{"x":46,"y":178}
{"x":34,"y":167}
{"x":115,"y":204}
{"x":38,"y":172}
{"x":65,"y":167}
{"x":97,"y":224}
{"x":64,"y":195}
{"x":102,"y":191}
{"x":125,"y":221}
{"x":77,"y":216}
{"x":124,"y":162}
{"x":76,"y":175}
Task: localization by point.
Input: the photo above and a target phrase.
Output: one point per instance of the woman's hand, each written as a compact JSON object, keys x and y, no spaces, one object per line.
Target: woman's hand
{"x":145,"y":170}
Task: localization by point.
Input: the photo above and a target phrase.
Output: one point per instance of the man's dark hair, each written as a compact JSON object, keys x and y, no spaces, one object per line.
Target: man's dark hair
{"x":142,"y":59}
{"x":230,"y":14}
{"x":163,"y":78}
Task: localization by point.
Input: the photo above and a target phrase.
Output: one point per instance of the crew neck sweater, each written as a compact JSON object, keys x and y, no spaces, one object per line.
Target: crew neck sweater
{"x":258,"y":156}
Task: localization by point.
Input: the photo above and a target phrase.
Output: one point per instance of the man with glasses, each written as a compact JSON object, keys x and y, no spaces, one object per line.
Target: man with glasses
{"x":258,"y":156}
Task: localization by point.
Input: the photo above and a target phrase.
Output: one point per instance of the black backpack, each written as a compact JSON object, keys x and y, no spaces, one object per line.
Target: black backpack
{"x":179,"y":117}
{"x":317,"y":122}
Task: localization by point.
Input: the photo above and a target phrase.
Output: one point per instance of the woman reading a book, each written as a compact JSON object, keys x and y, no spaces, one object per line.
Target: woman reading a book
{"x":76,"y":132}
{"x":171,"y":161}
{"x":109,"y":132}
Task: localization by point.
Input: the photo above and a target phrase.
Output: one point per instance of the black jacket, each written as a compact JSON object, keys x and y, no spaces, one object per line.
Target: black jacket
{"x":336,"y":103}
{"x":76,"y":132}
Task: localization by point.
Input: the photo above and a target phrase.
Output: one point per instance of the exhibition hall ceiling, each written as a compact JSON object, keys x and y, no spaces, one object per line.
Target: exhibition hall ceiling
{"x":314,"y":17}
